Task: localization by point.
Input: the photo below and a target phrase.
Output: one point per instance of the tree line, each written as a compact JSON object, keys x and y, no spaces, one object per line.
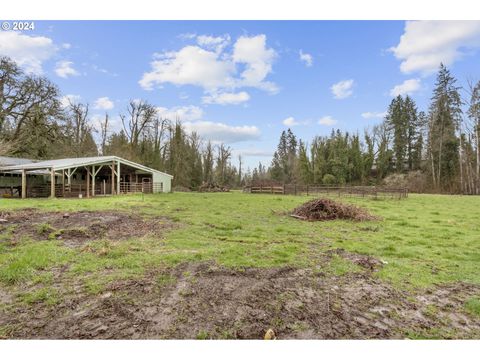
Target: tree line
{"x":439,"y":145}
{"x":34,"y":123}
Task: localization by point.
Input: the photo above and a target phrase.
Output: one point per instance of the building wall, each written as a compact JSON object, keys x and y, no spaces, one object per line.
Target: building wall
{"x":166,"y":180}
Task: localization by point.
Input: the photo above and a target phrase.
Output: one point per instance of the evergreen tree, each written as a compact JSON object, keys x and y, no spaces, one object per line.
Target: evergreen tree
{"x":445,"y":117}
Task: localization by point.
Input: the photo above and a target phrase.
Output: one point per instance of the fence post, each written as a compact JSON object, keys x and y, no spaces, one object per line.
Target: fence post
{"x":283,"y":189}
{"x":295,"y":187}
{"x":271,"y":189}
{"x":307,"y":190}
{"x":261,"y":190}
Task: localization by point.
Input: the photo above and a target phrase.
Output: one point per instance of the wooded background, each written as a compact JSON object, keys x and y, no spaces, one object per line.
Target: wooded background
{"x":431,"y":150}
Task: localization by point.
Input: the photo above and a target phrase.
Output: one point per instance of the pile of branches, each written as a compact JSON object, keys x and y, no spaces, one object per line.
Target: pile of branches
{"x":212,"y":187}
{"x":327,"y":209}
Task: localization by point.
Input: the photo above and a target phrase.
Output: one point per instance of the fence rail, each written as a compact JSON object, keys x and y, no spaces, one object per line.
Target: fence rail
{"x":101,"y":188}
{"x":363,"y":191}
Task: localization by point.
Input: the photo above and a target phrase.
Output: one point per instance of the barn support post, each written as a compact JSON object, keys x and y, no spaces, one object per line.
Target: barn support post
{"x":113,"y":178}
{"x":118,"y":177}
{"x":88,"y":182}
{"x":63,"y":182}
{"x":52,"y":183}
{"x":93,"y":180}
{"x":24,"y":184}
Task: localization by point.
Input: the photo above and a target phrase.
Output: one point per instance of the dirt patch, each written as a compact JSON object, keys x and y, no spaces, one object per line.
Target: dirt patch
{"x":207,"y":301}
{"x":327,"y":209}
{"x":365,"y":261}
{"x":76,"y":228}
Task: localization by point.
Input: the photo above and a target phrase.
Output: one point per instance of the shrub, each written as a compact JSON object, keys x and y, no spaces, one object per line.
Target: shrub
{"x":329,"y":179}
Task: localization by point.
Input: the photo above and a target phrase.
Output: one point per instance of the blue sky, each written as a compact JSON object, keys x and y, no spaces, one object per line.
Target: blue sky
{"x":244,"y":82}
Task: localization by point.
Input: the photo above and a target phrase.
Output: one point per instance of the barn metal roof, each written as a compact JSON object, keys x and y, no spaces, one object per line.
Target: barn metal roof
{"x":62,"y":164}
{"x":9,"y":161}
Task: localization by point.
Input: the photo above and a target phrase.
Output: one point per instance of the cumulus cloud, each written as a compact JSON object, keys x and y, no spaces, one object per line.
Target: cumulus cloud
{"x":66,"y":100}
{"x":426,"y":44}
{"x":191,"y":65}
{"x":226,"y":98}
{"x":220,"y":132}
{"x":258,"y":60}
{"x":327,"y":121}
{"x":374,"y":115}
{"x":210,"y":66}
{"x":408,"y":87}
{"x":217,"y":43}
{"x":103,"y":103}
{"x":183,"y":113}
{"x":29,"y":52}
{"x":342,"y":89}
{"x":306,"y":58}
{"x":65,"y":69}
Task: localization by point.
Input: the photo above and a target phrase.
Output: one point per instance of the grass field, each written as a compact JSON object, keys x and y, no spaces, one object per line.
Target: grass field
{"x":424,"y":244}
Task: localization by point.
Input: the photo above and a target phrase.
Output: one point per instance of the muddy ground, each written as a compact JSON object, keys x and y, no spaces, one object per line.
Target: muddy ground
{"x":76,"y":228}
{"x":206,"y":301}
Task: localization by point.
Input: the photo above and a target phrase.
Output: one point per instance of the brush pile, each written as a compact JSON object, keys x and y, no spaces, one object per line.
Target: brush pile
{"x":212,"y":187}
{"x":327,"y":209}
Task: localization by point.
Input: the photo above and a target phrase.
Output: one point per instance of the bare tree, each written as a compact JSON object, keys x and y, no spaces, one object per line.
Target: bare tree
{"x":104,"y":134}
{"x":140,"y":115}
{"x":223,"y":157}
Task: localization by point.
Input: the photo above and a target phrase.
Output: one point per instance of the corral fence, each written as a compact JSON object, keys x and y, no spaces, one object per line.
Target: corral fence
{"x":101,"y":188}
{"x":361,"y":191}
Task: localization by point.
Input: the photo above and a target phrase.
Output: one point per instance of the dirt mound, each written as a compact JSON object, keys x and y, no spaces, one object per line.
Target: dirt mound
{"x":207,"y":301}
{"x":212,"y":187}
{"x":327,"y":209}
{"x":75,"y":228}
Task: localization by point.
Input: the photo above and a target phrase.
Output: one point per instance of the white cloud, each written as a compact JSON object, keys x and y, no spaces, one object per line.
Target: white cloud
{"x":191,"y":65}
{"x":65,"y":69}
{"x":217,"y":43}
{"x":425,"y":44}
{"x":103,"y":103}
{"x":374,"y":115}
{"x":306,"y":58}
{"x":183,"y":113}
{"x":187,"y":36}
{"x":219,"y":132}
{"x":214,"y":70}
{"x":70,"y":98}
{"x":29,"y":52}
{"x":342,"y":89}
{"x":66,"y":46}
{"x":252,"y":152}
{"x":258,"y":60}
{"x":291,"y":121}
{"x":226,"y":98}
{"x":408,"y":87}
{"x":327,"y":121}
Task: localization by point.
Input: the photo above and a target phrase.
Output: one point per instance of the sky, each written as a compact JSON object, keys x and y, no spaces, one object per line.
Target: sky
{"x":244,"y":82}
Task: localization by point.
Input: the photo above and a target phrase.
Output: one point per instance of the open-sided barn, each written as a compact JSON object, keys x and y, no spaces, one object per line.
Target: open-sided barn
{"x":73,"y":177}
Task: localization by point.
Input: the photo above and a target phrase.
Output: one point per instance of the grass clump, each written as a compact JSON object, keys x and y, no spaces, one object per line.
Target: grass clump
{"x":472,"y":306}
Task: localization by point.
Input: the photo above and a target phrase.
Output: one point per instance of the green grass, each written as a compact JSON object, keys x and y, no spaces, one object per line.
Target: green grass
{"x":472,"y":305}
{"x":425,"y":239}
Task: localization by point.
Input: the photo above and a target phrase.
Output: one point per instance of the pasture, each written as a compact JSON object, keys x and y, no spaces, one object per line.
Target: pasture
{"x":233,"y":265}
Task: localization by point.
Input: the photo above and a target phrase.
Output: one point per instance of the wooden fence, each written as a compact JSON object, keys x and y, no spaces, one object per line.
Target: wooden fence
{"x":362,"y":191}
